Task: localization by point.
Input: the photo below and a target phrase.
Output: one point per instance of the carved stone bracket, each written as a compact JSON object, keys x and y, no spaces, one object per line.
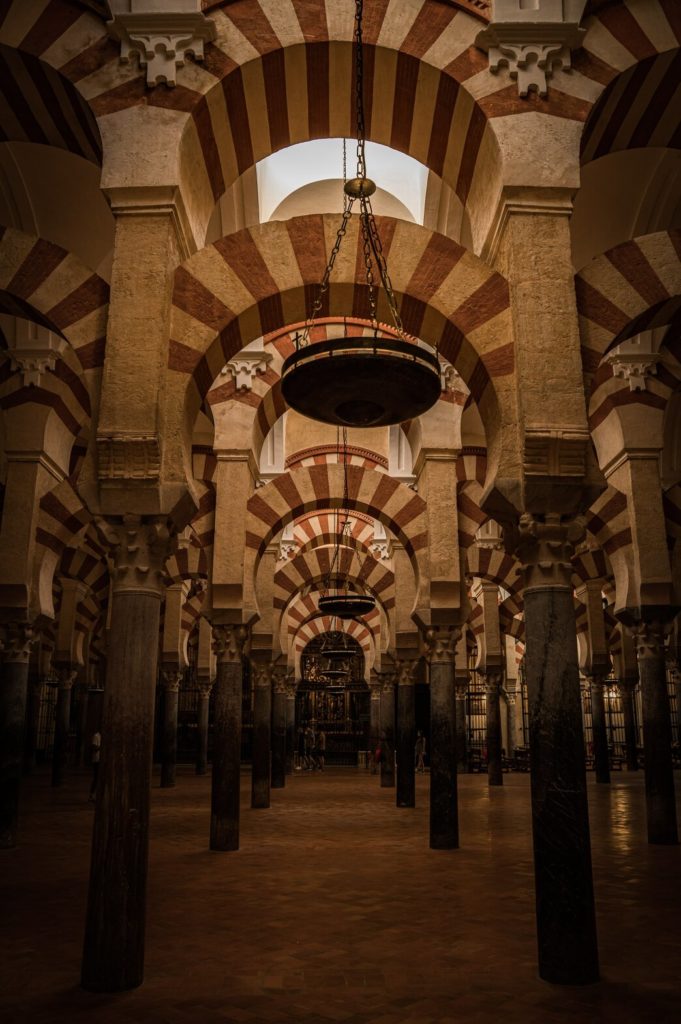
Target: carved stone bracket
{"x":635,"y":370}
{"x":161,"y":39}
{"x":245,"y":366}
{"x":33,"y":364}
{"x":228,"y":642}
{"x":545,"y":547}
{"x":138,"y":548}
{"x":532,"y":41}
{"x":441,"y":644}
{"x":18,"y":639}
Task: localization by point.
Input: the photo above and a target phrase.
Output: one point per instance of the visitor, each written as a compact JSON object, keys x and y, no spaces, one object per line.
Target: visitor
{"x":309,"y":748}
{"x":420,"y":752}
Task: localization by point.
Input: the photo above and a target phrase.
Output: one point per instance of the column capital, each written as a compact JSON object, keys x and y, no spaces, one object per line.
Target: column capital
{"x":280,"y":680}
{"x":494,"y":679}
{"x":17,"y":640}
{"x":138,"y":547}
{"x":649,"y":639}
{"x":388,"y":680}
{"x":67,"y":677}
{"x":228,"y":642}
{"x":544,"y":546}
{"x":262,"y":674}
{"x":171,"y":677}
{"x":162,"y":39}
{"x":627,"y":684}
{"x":205,"y":686}
{"x":405,"y":672}
{"x":441,"y":644}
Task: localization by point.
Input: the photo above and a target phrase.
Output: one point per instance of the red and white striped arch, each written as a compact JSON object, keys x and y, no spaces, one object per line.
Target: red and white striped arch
{"x":257,"y":281}
{"x":633,"y":287}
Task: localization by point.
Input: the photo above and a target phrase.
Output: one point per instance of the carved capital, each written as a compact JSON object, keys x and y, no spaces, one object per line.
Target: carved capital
{"x":441,"y":644}
{"x":406,"y":671}
{"x":544,"y":546}
{"x":205,"y":686}
{"x":171,"y":679}
{"x":228,"y":642}
{"x":636,"y":370}
{"x":262,"y":675}
{"x":138,"y":547}
{"x":461,"y":688}
{"x":649,"y":639}
{"x":66,"y":677}
{"x":388,"y":680}
{"x":280,"y":681}
{"x":493,"y":683}
{"x":162,"y":40}
{"x":627,"y":684}
{"x":18,"y":639}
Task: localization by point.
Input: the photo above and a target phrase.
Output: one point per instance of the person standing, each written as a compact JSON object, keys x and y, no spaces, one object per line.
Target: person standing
{"x":95,"y":750}
{"x":420,"y":752}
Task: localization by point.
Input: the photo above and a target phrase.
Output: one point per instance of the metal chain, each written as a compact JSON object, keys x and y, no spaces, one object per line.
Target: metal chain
{"x":323,"y":287}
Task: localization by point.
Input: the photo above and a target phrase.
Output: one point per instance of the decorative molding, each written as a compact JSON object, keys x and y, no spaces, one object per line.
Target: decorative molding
{"x":128,"y":456}
{"x":245,"y":366}
{"x":555,"y":452}
{"x":332,"y":449}
{"x":532,"y":41}
{"x":162,"y":40}
{"x":138,"y":549}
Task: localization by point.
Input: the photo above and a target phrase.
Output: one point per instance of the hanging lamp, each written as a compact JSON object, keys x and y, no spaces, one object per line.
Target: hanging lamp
{"x":361,"y":382}
{"x":342,"y":602}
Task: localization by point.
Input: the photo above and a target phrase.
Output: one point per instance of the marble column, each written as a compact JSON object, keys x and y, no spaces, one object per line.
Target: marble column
{"x":290,"y":726}
{"x":203,"y":716}
{"x":657,"y":734}
{"x":599,"y":730}
{"x":113,"y":950}
{"x":170,"y":680}
{"x":566,"y":926}
{"x":493,"y":681}
{"x":278,"y":778}
{"x":81,"y":729}
{"x":387,"y":731}
{"x":405,"y":795}
{"x":262,"y":735}
{"x":374,"y":720}
{"x":626,"y":689}
{"x":226,"y":779}
{"x":13,"y":692}
{"x":62,"y":725}
{"x":444,"y":814}
{"x":510,"y":720}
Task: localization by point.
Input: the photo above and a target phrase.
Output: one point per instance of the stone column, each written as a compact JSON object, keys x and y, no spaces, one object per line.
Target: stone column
{"x":510,"y":721}
{"x":226,"y":780}
{"x":405,"y":795}
{"x":374,"y":718}
{"x":262,"y":730}
{"x":170,"y":681}
{"x":113,"y":951}
{"x":387,"y":731}
{"x":444,"y":814}
{"x":62,"y":725}
{"x":278,"y":730}
{"x":13,"y":690}
{"x":626,"y":688}
{"x":657,"y":734}
{"x":290,"y":725}
{"x":599,"y":730}
{"x":493,"y":681}
{"x":205,"y":686}
{"x":566,"y":926}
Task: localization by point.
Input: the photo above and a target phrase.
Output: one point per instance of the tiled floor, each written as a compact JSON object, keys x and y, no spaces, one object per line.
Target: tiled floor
{"x":335,"y":910}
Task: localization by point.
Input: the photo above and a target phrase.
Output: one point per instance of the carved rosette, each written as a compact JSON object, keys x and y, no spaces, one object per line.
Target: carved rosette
{"x":138,"y":547}
{"x":649,"y":638}
{"x":228,"y":642}
{"x":441,"y":644}
{"x":544,"y":546}
{"x":18,"y":639}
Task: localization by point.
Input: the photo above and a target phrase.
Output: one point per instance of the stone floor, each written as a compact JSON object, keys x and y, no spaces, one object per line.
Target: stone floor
{"x":335,"y":910}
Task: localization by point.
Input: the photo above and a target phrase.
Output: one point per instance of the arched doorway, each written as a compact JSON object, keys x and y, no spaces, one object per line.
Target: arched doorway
{"x":333,"y":697}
